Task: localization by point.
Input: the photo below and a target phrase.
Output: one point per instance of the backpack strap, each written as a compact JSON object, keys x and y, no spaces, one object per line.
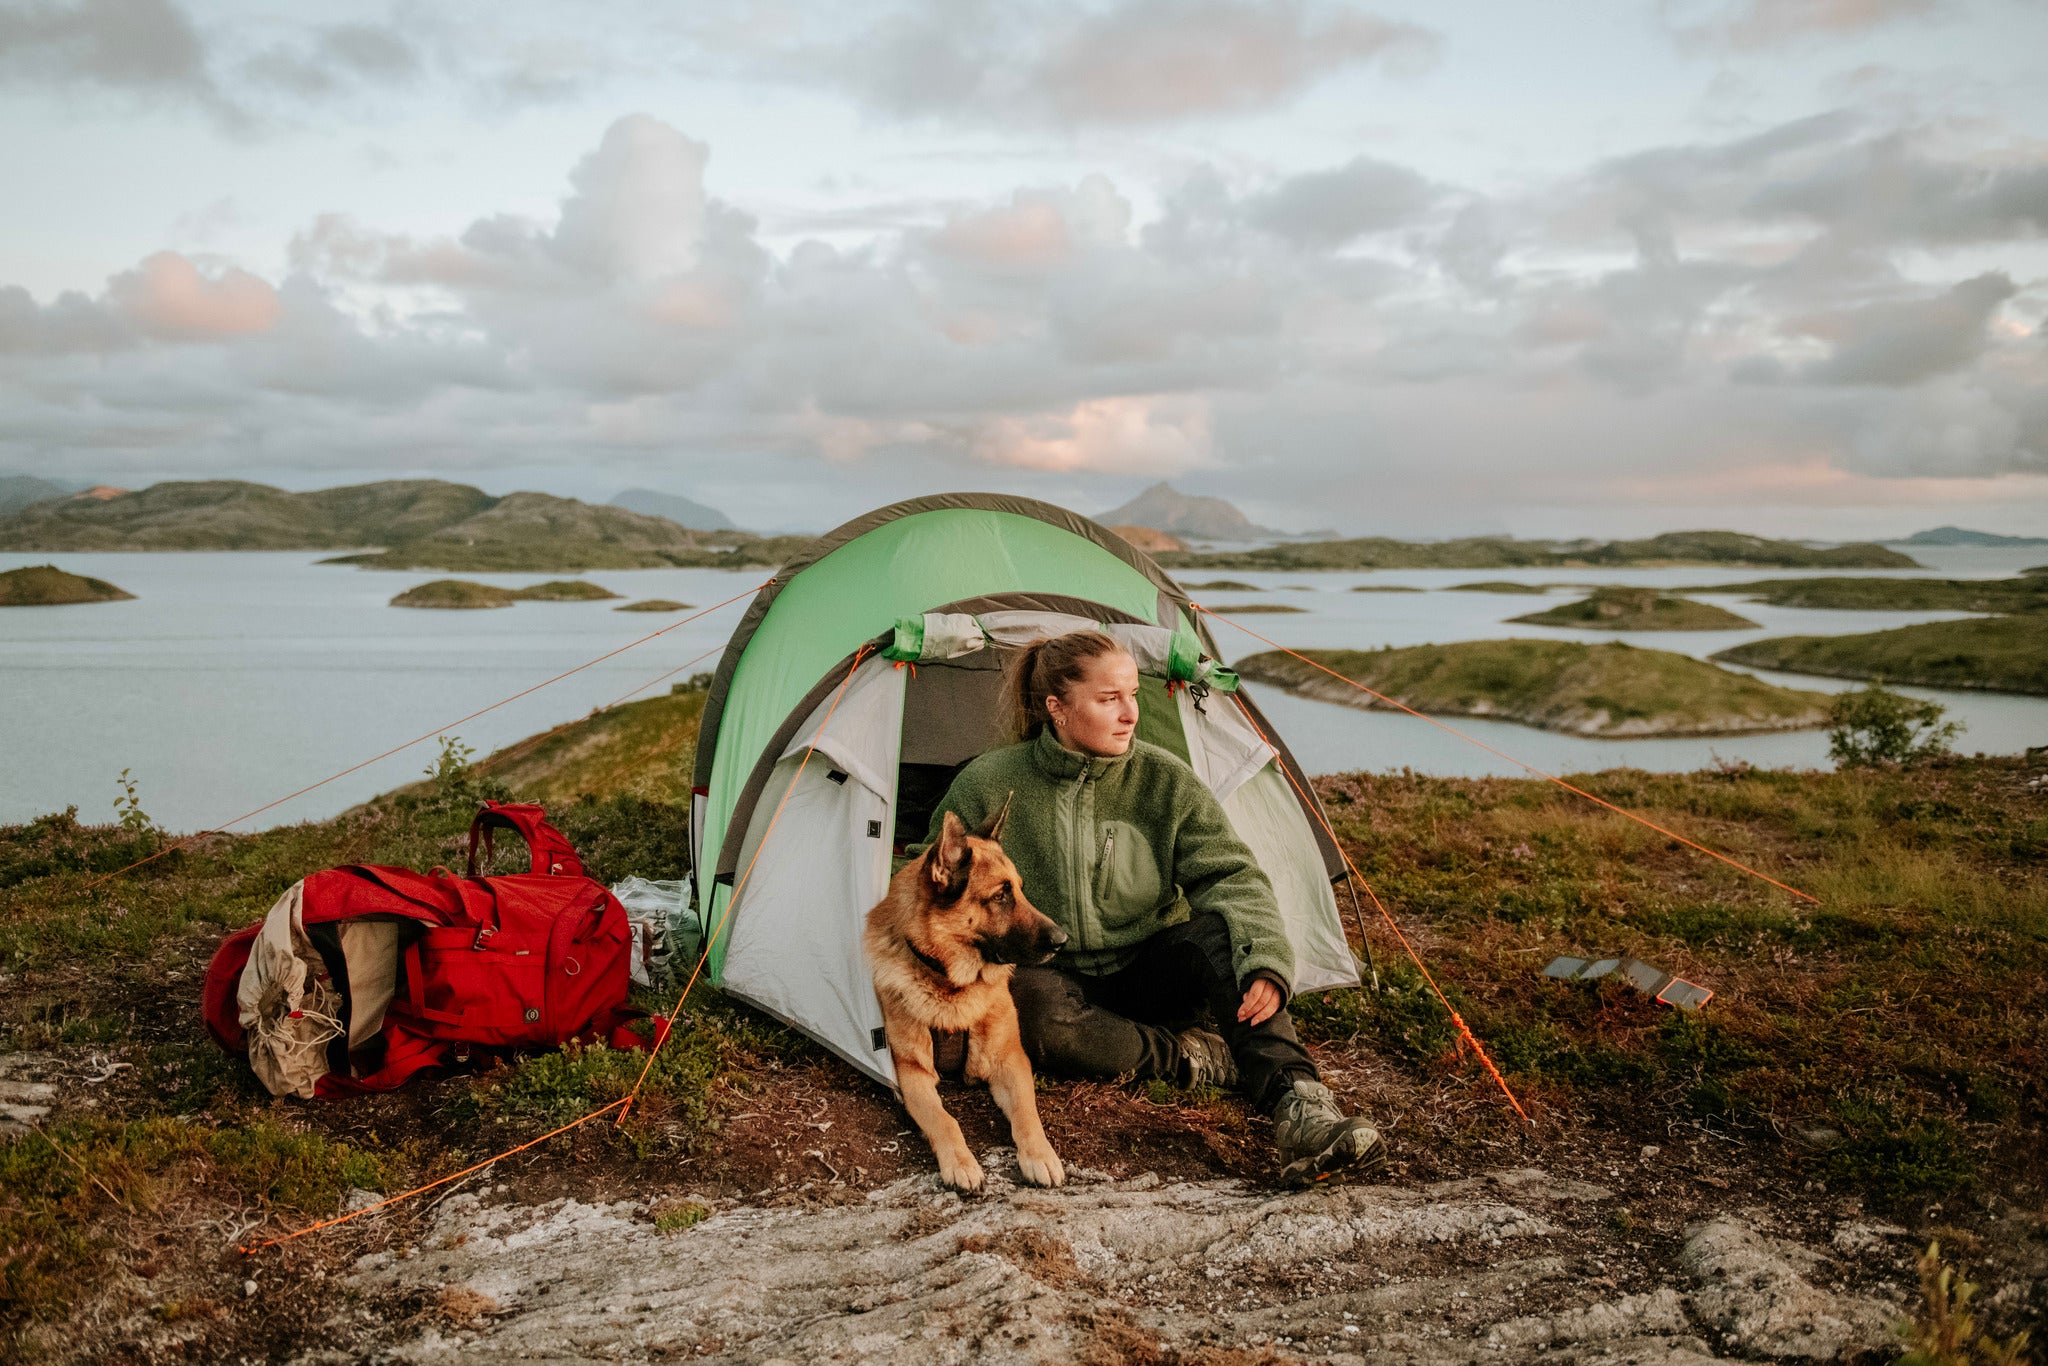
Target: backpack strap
{"x":416,"y":990}
{"x":549,"y":847}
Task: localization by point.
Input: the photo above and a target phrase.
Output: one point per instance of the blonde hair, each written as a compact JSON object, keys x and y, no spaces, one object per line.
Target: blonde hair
{"x":1047,"y":668}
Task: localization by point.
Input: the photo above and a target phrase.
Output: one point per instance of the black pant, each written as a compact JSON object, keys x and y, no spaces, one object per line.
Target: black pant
{"x":1123,"y":1023}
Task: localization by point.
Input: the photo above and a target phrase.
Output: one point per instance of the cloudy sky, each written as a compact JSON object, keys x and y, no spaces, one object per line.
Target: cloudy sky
{"x":1542,"y":266}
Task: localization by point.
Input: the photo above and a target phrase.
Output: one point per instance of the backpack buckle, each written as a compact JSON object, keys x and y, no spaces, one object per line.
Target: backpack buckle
{"x":483,"y":932}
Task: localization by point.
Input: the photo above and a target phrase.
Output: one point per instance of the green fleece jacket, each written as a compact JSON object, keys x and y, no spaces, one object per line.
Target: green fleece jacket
{"x":1115,"y":850}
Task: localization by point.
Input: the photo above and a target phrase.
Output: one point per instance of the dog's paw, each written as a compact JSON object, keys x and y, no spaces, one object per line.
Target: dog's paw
{"x":961,"y":1172}
{"x":1042,"y":1169}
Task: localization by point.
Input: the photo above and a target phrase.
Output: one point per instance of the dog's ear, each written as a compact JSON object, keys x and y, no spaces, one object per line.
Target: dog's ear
{"x":992,"y":828}
{"x":948,"y":861}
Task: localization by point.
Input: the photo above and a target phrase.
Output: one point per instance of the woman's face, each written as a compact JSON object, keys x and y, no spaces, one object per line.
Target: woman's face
{"x":1098,"y":713}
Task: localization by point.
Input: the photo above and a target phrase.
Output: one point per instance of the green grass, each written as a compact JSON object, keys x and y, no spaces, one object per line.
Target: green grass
{"x":68,"y":1188}
{"x":1637,"y":609}
{"x":676,"y":1215}
{"x":1606,"y":690}
{"x":1896,"y":1013}
{"x":1996,"y":654}
{"x":45,"y":585}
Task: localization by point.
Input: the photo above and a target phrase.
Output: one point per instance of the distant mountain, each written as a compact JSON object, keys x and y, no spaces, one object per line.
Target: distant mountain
{"x":420,"y":523}
{"x":1955,"y":535}
{"x":678,"y":509}
{"x":18,"y":491}
{"x":1164,"y":508}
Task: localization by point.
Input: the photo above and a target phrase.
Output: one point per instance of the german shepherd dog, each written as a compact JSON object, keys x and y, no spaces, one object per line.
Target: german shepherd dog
{"x":943,"y":944}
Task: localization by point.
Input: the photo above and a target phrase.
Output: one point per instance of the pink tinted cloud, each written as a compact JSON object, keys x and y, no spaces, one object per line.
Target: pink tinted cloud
{"x":170,"y":298}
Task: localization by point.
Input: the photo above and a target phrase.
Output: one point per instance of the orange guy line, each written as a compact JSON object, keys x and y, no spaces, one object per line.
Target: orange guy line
{"x":1599,"y":801}
{"x":1464,"y":1030}
{"x":438,"y":730}
{"x":725,"y":913}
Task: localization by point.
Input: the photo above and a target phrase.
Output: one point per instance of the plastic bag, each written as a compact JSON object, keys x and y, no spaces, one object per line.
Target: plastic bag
{"x":665,"y":927}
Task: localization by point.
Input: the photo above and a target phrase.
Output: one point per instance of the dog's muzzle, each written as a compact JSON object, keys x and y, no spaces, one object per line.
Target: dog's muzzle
{"x":1023,"y":945}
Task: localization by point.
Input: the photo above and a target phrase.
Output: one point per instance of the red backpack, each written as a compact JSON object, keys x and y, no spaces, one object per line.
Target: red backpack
{"x":420,"y":970}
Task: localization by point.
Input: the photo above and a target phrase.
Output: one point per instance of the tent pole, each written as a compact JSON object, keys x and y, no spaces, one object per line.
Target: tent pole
{"x":1358,"y":916}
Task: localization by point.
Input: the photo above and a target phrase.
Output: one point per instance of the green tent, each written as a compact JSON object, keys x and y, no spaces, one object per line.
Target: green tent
{"x":879,"y":652}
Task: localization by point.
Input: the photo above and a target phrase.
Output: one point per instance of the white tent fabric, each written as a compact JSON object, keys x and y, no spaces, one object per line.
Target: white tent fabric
{"x":1227,"y":754}
{"x":796,"y":924}
{"x":1267,"y":818}
{"x":794,"y":938}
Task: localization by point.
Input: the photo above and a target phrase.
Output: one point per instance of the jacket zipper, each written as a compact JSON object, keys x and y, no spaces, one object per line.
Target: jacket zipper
{"x":1103,"y":868}
{"x":1087,"y":917}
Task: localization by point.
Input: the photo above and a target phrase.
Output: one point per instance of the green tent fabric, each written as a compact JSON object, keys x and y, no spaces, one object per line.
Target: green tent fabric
{"x":851,"y":587}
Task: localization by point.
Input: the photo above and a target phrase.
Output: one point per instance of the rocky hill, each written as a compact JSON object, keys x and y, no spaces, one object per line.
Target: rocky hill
{"x":419,"y":523}
{"x":1164,"y":508}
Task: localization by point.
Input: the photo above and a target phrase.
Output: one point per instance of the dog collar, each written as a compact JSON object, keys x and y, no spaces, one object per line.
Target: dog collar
{"x":934,"y":964}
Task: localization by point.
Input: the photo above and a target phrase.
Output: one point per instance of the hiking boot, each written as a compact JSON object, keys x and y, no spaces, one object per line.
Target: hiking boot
{"x":1316,"y":1138}
{"x":1205,"y":1059}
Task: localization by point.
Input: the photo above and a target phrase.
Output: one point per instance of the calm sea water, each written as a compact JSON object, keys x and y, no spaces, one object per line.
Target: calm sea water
{"x":234,"y":679}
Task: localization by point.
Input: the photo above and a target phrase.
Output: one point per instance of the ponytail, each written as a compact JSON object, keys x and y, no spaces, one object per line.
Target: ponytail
{"x":1047,"y":667}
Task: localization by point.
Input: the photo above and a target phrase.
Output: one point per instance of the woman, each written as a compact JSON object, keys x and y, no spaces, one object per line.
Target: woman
{"x":1166,"y":911}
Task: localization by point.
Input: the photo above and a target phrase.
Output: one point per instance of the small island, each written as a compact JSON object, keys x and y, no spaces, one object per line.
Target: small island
{"x":45,"y":585}
{"x":1989,"y":654}
{"x":1223,"y":586}
{"x":463,"y":595}
{"x":2023,"y":594}
{"x":1637,"y":609}
{"x":1385,"y":588}
{"x":564,"y":590}
{"x":1238,"y":609}
{"x":653,"y":605}
{"x":1612,"y":692}
{"x":1501,"y":586}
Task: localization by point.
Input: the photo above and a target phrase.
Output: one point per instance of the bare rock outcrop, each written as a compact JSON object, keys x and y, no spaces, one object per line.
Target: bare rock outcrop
{"x":1489,"y":1268}
{"x":1755,"y":1292}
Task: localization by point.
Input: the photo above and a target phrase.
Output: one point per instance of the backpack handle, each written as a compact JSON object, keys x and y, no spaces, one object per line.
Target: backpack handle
{"x":550,"y":848}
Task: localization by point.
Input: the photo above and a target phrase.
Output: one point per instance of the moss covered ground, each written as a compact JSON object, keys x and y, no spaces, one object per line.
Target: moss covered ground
{"x":1886,"y":1044}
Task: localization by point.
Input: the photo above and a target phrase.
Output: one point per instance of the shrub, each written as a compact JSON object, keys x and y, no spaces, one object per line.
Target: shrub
{"x":457,"y":784}
{"x":1944,"y":1332}
{"x":1875,"y":726}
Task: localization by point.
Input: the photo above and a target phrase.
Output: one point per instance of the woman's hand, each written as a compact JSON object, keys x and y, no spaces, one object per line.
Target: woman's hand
{"x":1261,"y":999}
